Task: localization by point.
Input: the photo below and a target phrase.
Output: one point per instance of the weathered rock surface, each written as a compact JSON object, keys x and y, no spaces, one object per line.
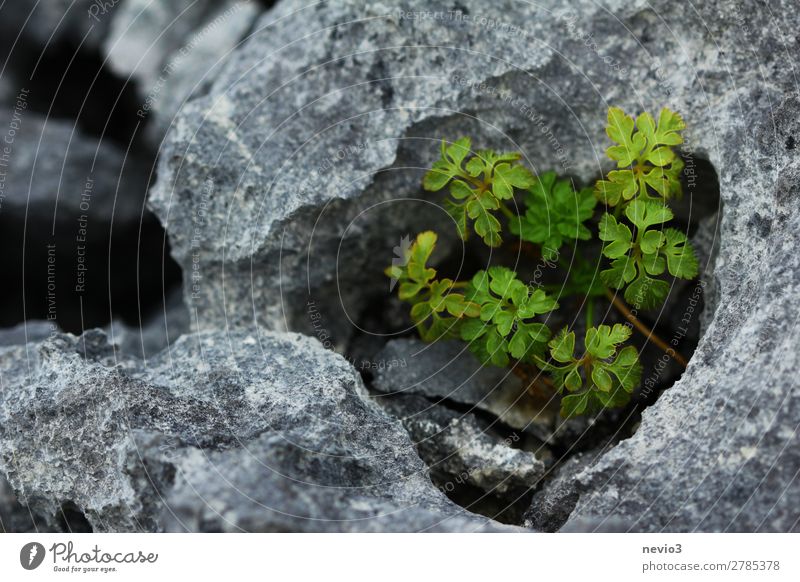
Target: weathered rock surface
{"x":27,"y":331}
{"x":285,"y":186}
{"x":554,"y":502}
{"x":155,"y":334}
{"x":447,"y":370}
{"x":221,"y":432}
{"x":461,"y":447}
{"x":14,"y":517}
{"x":174,"y":49}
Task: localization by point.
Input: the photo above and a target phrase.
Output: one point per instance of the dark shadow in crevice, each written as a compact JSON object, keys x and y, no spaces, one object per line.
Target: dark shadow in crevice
{"x":72,"y":520}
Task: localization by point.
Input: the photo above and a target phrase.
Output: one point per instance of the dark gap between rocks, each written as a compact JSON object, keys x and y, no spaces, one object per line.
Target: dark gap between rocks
{"x":104,"y":106}
{"x":72,"y":520}
{"x":129,"y":269}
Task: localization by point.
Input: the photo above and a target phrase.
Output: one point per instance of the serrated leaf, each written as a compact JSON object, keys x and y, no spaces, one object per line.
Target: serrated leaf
{"x":626,"y":368}
{"x":616,"y":235}
{"x":653,"y":263}
{"x":409,"y":289}
{"x":602,"y":341}
{"x":620,"y":129}
{"x":473,"y":329}
{"x":488,"y":228}
{"x":651,"y":241}
{"x":458,"y":212}
{"x":601,"y":378}
{"x":681,"y":260}
{"x":573,"y":381}
{"x":562,"y":347}
{"x":669,"y":126}
{"x":460,"y":190}
{"x":645,"y":213}
{"x":621,"y":272}
{"x":574,"y":404}
{"x":661,"y":156}
{"x":645,"y":292}
{"x":437,"y":177}
{"x":457,"y":151}
{"x":507,"y":177}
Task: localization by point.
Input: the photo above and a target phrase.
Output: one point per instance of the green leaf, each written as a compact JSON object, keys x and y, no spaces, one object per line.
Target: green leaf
{"x":458,"y":150}
{"x":622,"y":272}
{"x":653,"y":263}
{"x":651,"y":241}
{"x":670,"y":124}
{"x":617,"y":236}
{"x":562,"y":347}
{"x":507,"y":177}
{"x":538,"y":303}
{"x":681,"y":260}
{"x":460,"y":190}
{"x":626,"y":368}
{"x":529,"y":340}
{"x":555,"y":213}
{"x":497,"y":347}
{"x":488,"y":228}
{"x":574,"y":404}
{"x":646,"y":292}
{"x":437,"y":177}
{"x":620,"y":130}
{"x":473,"y":329}
{"x":602,"y":341}
{"x":420,"y":252}
{"x":601,"y":378}
{"x":458,"y":212}
{"x":661,"y":156}
{"x":644,"y":213}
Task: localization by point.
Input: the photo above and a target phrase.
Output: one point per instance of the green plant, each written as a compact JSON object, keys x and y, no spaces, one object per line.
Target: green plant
{"x":508,"y":322}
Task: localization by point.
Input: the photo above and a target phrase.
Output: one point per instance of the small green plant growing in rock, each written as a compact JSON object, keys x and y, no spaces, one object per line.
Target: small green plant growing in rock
{"x":507,"y":322}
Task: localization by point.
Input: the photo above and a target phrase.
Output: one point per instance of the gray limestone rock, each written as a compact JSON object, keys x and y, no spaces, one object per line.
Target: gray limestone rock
{"x":27,"y":331}
{"x":156,"y":333}
{"x":219,"y":432}
{"x":447,"y":370}
{"x":35,"y":25}
{"x":461,"y":447}
{"x":554,"y":502}
{"x":174,"y":50}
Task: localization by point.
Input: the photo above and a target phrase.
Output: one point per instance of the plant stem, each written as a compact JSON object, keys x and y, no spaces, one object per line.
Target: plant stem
{"x":507,"y":211}
{"x":589,"y":312}
{"x":643,"y":329}
{"x":525,"y":371}
{"x":459,"y":285}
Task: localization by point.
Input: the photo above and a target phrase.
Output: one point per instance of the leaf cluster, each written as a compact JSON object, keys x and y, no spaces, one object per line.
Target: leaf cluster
{"x":603,"y":376}
{"x":479,"y":184}
{"x":503,"y":320}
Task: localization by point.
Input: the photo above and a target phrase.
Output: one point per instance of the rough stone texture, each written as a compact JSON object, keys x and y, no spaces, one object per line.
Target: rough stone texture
{"x":27,"y":331}
{"x":155,"y":334}
{"x":174,"y":49}
{"x":235,"y":432}
{"x":552,"y":505}
{"x":14,"y":517}
{"x":460,"y":446}
{"x":285,"y":182}
{"x":447,"y":370}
